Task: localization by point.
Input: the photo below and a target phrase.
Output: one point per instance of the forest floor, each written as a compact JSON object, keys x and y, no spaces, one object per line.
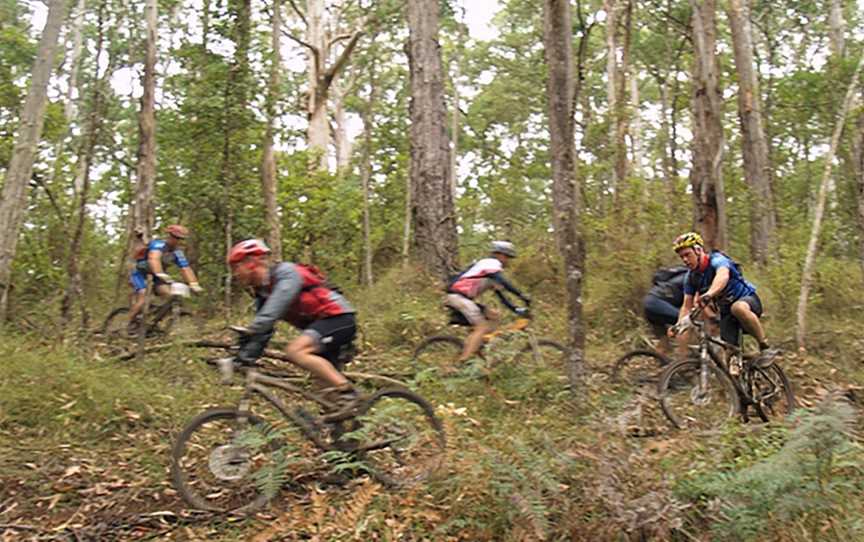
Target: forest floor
{"x":85,"y":441}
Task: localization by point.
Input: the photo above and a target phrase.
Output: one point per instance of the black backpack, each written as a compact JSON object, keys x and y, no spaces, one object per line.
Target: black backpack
{"x":666,"y":274}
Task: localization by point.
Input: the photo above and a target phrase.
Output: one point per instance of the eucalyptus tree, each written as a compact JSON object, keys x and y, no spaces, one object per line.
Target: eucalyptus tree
{"x":557,"y":38}
{"x":143,"y":217}
{"x":432,"y":210}
{"x":709,"y":142}
{"x":16,"y":182}
{"x":269,"y":178}
{"x":757,"y":168}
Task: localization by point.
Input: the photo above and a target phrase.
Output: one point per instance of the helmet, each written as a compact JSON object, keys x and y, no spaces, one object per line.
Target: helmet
{"x":249,"y":247}
{"x":178,"y":231}
{"x":689,"y":239}
{"x":503,"y":247}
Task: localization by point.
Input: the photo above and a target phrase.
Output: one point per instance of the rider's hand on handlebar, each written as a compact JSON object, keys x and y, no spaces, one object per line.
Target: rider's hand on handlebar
{"x":164,"y":277}
{"x":240,"y":330}
{"x":195,"y":287}
{"x":704,"y":300}
{"x":522,"y":311}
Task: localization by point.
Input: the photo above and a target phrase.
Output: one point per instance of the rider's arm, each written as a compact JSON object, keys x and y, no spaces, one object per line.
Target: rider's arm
{"x":505,"y":301}
{"x":188,"y":275}
{"x":721,"y":279}
{"x":154,"y":261}
{"x":499,"y":279}
{"x":287,"y":284}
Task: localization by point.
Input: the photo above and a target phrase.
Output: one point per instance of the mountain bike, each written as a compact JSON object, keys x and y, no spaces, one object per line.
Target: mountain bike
{"x":236,"y":458}
{"x":536,"y":354}
{"x":160,"y":320}
{"x":721,"y":382}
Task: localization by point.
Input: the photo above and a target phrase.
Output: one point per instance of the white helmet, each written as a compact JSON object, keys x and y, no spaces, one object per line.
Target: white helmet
{"x":503,"y":247}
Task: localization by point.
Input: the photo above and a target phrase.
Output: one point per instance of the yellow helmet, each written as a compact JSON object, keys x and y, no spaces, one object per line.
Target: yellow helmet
{"x":689,"y":239}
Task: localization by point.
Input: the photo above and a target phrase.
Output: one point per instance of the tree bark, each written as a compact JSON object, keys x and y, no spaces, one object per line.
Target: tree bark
{"x":432,"y":211}
{"x":17,"y":180}
{"x":616,"y":88}
{"x":858,"y":160}
{"x":807,"y":273}
{"x":706,"y":175}
{"x":754,"y":145}
{"x":557,"y":37}
{"x":269,"y":181}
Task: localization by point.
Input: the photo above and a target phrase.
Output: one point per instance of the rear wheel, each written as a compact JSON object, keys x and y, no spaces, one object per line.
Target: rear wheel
{"x":639,"y":368}
{"x":692,"y":404}
{"x":400,"y":440}
{"x":440,"y":352}
{"x":116,"y":323}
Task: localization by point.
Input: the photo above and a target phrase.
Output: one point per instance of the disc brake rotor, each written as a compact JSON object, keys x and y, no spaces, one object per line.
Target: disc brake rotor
{"x":229,"y":462}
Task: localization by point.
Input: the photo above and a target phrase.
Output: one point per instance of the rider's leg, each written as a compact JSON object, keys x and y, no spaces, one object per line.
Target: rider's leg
{"x":485,"y":323}
{"x":138,"y":299}
{"x":747,"y":312}
{"x":302,"y":352}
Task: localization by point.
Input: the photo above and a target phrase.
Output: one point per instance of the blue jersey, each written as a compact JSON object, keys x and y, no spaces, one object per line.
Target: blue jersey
{"x":168,"y":256}
{"x":735,"y":289}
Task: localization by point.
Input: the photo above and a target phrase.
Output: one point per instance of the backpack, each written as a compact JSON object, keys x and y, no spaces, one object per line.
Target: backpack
{"x":454,"y":278}
{"x":737,"y":266}
{"x":666,"y":274}
{"x":313,"y":278}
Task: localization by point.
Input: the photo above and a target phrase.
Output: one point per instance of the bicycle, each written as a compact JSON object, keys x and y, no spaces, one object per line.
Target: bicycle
{"x":693,"y":392}
{"x":537,"y":354}
{"x":231,"y":459}
{"x":159,"y":320}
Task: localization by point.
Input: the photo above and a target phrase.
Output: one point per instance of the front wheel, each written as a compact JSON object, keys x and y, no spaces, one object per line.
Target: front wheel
{"x":439,"y":352}
{"x":770,"y":392}
{"x":690,"y":402}
{"x":223,"y":461}
{"x":399,"y":439}
{"x":546,"y":360}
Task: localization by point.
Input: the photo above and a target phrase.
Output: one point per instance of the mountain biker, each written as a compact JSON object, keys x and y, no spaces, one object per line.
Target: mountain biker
{"x":297,"y":294}
{"x":152,"y":260}
{"x":483,"y":275}
{"x":714,"y":276}
{"x":663,"y":303}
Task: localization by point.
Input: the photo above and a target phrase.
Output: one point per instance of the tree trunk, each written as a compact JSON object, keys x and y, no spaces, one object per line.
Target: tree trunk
{"x":235,"y":123}
{"x":17,"y":180}
{"x":317,"y":134}
{"x":432,"y":211}
{"x":269,"y":180}
{"x":143,"y":218}
{"x":807,"y":273}
{"x":74,"y":289}
{"x":557,"y":37}
{"x":706,"y":175}
{"x":341,"y":140}
{"x":616,"y":86}
{"x":636,"y":131}
{"x":837,"y":29}
{"x":754,"y":145}
{"x":366,"y":174}
{"x":858,"y":160}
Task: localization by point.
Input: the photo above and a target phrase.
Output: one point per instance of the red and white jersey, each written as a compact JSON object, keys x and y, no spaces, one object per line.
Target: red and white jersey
{"x":475,"y":281}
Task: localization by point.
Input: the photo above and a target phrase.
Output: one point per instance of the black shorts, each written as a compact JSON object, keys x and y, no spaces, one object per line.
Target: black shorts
{"x":730,"y":327}
{"x":332,"y":335}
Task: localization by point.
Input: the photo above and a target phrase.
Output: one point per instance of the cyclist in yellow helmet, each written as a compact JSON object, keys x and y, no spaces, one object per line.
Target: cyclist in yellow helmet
{"x":714,"y":275}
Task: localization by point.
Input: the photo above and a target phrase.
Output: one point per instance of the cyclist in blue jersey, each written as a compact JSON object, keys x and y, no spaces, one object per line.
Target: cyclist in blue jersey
{"x":714,"y":276}
{"x":152,"y":260}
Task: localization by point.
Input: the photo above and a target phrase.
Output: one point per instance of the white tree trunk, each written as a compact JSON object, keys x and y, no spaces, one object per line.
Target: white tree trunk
{"x":269,"y":179}
{"x":17,"y":180}
{"x":807,"y":274}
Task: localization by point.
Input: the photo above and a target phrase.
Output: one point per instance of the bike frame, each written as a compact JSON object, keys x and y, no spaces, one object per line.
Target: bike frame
{"x":706,"y":353}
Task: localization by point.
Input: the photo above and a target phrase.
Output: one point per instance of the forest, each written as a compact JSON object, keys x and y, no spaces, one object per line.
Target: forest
{"x":388,"y":143}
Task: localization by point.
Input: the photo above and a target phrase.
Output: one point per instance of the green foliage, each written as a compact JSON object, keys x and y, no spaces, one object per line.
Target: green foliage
{"x":809,"y":479}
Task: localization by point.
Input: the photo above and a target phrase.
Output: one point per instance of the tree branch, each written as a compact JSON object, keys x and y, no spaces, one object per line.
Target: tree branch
{"x":37,"y":181}
{"x":337,"y":66}
{"x":298,"y":12}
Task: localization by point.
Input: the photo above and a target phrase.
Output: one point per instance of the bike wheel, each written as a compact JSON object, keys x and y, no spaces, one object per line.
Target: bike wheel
{"x":639,"y":368}
{"x":689,"y":405}
{"x":225,"y":462}
{"x":546,"y":360}
{"x":399,"y":439}
{"x":115,"y":324}
{"x":771,"y":392}
{"x":439,"y":352}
